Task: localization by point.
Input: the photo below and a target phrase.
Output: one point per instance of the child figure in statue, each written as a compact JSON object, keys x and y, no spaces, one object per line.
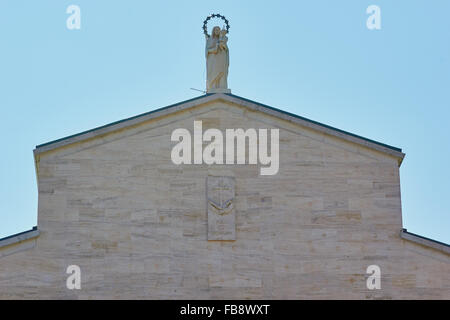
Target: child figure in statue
{"x":223,"y":39}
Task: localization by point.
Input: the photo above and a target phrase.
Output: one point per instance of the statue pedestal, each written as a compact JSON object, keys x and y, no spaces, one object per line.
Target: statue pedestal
{"x":218,"y":90}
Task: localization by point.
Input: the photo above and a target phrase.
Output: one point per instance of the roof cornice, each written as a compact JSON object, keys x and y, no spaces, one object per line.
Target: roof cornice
{"x":427,"y":242}
{"x":256,"y":106}
{"x":18,"y":242}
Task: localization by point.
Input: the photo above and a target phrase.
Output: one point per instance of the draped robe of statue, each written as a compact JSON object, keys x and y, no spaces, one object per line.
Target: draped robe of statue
{"x":217,"y":62}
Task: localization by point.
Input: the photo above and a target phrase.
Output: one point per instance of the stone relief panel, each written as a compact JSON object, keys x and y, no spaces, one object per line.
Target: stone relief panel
{"x":220,"y":194}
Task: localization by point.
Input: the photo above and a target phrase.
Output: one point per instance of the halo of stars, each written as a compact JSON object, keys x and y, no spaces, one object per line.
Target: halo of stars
{"x":214,"y":15}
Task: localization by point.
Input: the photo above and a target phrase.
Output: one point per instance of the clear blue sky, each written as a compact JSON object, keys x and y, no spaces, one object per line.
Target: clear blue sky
{"x":313,"y":58}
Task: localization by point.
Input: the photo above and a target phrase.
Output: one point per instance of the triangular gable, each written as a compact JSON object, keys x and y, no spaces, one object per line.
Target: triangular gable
{"x":255,"y":106}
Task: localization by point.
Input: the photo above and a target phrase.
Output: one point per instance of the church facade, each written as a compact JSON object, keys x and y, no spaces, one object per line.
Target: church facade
{"x":113,"y":202}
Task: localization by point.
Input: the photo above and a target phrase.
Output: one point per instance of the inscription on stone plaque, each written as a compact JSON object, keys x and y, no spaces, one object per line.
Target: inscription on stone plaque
{"x":220,"y":204}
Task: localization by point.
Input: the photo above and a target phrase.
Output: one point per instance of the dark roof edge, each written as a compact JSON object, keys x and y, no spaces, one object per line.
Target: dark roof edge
{"x":190,"y":102}
{"x":441,"y":246}
{"x":317,"y":123}
{"x":19,"y":237}
{"x":119,"y":121}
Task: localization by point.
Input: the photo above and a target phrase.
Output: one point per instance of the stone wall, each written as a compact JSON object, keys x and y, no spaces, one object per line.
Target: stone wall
{"x":136,"y":224}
